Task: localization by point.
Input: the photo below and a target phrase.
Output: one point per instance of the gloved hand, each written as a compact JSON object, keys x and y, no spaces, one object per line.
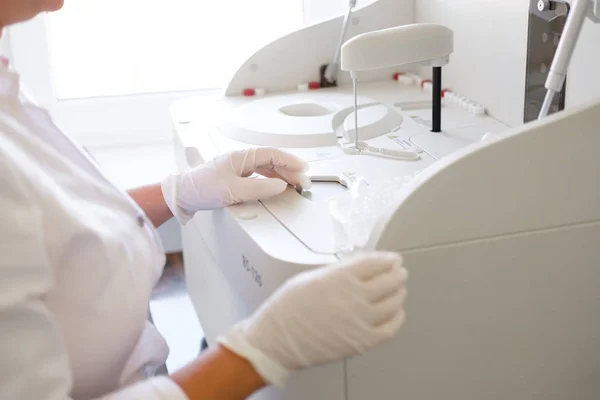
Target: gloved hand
{"x":323,"y":315}
{"x":225,"y":181}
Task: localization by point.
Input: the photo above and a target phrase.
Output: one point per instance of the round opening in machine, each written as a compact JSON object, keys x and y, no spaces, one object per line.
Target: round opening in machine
{"x":305,"y":110}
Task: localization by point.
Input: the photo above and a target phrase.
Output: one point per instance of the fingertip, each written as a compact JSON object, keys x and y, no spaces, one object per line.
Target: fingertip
{"x":404,"y":273}
{"x":403,"y":295}
{"x":293,"y":162}
{"x":401,"y":320}
{"x":390,"y":328}
{"x":397,"y":276}
{"x":369,"y":265}
{"x":259,"y":189}
{"x":272,"y":156}
{"x":305,"y":182}
{"x":305,"y":165}
{"x":279,"y":185}
{"x":295,"y":178}
{"x":393,"y":256}
{"x":388,"y":307}
{"x":394,"y":259}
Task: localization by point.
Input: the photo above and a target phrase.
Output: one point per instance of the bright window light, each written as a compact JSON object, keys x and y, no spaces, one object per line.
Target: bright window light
{"x":122,"y":47}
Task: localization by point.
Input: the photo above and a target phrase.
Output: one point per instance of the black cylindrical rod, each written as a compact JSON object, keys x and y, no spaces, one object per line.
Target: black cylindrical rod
{"x":436,"y":117}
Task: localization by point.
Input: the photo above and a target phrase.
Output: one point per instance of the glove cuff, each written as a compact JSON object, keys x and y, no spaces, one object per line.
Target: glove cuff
{"x":270,"y":370}
{"x":169,"y":190}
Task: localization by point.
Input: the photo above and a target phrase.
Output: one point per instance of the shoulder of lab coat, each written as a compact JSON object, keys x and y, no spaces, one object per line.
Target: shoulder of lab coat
{"x":35,"y":363}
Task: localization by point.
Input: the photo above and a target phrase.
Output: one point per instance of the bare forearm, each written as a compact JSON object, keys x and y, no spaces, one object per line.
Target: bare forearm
{"x":218,"y":374}
{"x":150,"y":199}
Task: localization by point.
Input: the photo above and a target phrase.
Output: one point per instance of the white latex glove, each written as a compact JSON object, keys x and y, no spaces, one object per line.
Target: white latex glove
{"x":226,"y":180}
{"x":323,"y":315}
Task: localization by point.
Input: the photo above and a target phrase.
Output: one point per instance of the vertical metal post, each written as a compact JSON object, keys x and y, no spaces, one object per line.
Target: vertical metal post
{"x":436,"y":118}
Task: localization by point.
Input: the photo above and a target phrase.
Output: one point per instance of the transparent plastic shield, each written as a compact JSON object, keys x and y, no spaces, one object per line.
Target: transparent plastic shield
{"x":355,"y":212}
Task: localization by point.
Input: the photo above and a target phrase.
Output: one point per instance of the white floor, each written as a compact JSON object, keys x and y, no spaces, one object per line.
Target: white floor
{"x":172,"y":311}
{"x":175,"y":318}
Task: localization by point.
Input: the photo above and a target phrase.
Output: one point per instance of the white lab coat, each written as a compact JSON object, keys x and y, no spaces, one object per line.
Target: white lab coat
{"x":78,"y":261}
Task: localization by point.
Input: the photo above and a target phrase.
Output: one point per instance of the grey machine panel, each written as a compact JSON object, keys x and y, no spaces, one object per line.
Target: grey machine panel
{"x":545,"y":29}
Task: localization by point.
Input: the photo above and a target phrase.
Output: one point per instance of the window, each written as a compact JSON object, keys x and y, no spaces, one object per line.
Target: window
{"x":108,"y":70}
{"x":121,"y":47}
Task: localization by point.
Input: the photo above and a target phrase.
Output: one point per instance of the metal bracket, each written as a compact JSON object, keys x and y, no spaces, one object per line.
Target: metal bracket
{"x":594,"y":11}
{"x":544,"y":32}
{"x":345,"y":179}
{"x":330,"y":178}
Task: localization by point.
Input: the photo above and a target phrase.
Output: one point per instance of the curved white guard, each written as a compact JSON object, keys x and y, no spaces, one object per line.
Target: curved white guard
{"x":541,"y":175}
{"x":307,"y":120}
{"x":373,"y":121}
{"x":501,"y":244}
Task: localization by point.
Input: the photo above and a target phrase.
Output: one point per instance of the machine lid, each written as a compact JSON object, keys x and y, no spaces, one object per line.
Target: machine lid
{"x":309,"y":218}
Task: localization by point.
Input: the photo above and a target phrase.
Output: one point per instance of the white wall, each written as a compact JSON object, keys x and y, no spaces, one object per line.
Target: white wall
{"x":488,"y":64}
{"x":319,"y":10}
{"x":490,"y":44}
{"x":583,"y":80}
{"x":300,"y":53}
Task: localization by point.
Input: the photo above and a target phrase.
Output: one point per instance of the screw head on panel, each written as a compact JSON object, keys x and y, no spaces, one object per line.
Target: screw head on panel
{"x":543,"y":5}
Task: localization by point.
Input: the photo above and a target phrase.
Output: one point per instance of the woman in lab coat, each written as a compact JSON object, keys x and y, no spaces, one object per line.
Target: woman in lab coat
{"x":79,"y":259}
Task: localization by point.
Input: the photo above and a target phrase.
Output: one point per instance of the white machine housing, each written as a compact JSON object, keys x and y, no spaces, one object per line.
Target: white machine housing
{"x":499,"y":235}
